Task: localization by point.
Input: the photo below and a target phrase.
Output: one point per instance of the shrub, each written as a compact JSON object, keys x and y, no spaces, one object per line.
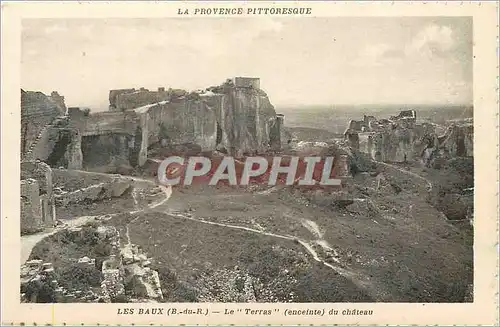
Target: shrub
{"x":76,"y":276}
{"x":43,"y":291}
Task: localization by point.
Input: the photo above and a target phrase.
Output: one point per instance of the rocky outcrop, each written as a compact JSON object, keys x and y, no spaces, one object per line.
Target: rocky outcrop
{"x":139,"y":279}
{"x":127,"y":272}
{"x":38,"y":283}
{"x":181,"y":121}
{"x":401,"y":139}
{"x":127,"y":99}
{"x":458,"y":141}
{"x":237,"y":118}
{"x":397,"y":145}
{"x":246,"y":117}
{"x":98,"y":192}
{"x":118,"y":274}
{"x":31,"y":216}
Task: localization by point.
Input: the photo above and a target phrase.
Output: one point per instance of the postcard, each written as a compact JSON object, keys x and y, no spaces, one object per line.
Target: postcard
{"x":249,"y":163}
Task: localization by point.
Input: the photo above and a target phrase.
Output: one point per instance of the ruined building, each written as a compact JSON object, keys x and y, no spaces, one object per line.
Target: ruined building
{"x":38,"y":114}
{"x":401,"y":138}
{"x":235,"y":117}
{"x":38,"y":209}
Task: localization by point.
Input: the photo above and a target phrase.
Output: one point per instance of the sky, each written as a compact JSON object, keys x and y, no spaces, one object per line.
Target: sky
{"x":301,"y":61}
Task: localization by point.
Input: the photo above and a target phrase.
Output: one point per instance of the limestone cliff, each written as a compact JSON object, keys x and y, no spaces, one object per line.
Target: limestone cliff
{"x":180,"y":121}
{"x":235,"y":119}
{"x":246,"y":118}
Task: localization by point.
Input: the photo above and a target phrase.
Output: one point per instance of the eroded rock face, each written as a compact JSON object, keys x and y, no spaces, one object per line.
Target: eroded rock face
{"x":397,"y":145}
{"x":74,"y":155}
{"x":139,"y":279}
{"x":236,"y":119}
{"x":458,"y":140}
{"x":246,"y":117}
{"x":182,"y":121}
{"x":115,"y":188}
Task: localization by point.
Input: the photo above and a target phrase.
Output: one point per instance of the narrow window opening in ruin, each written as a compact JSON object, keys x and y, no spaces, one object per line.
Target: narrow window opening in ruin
{"x":218,"y":139}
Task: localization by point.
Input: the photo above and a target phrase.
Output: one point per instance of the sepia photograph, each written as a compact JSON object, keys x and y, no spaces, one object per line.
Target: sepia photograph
{"x":361,"y":129}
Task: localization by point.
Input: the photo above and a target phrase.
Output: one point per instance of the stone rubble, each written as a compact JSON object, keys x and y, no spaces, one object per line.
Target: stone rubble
{"x":125,"y":274}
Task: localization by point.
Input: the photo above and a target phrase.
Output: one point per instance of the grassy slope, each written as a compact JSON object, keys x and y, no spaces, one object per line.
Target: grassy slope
{"x":183,"y":250}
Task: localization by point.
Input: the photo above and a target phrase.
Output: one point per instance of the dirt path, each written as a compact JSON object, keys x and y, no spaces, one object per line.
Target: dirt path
{"x":358,"y":280}
{"x":167,"y":190}
{"x":28,"y":242}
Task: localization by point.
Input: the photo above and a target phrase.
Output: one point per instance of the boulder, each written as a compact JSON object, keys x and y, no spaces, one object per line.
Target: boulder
{"x":127,"y":254}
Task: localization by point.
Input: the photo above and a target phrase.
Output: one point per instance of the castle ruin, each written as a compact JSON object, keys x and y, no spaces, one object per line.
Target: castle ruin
{"x":235,"y":117}
{"x":401,"y":138}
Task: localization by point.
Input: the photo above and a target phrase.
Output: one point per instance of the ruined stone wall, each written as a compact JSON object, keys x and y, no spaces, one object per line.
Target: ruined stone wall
{"x":102,"y":141}
{"x":250,"y":82}
{"x":275,"y":132}
{"x":108,"y":122}
{"x":41,"y":173}
{"x":238,"y":119}
{"x":113,"y":94}
{"x":397,"y":144}
{"x":356,"y":125}
{"x":366,"y":142}
{"x":139,"y":98}
{"x":458,"y":141}
{"x":43,"y":147}
{"x":59,"y":101}
{"x":386,"y":146}
{"x":245,"y":117}
{"x":352,"y":139}
{"x":37,"y":111}
{"x":31,"y":219}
